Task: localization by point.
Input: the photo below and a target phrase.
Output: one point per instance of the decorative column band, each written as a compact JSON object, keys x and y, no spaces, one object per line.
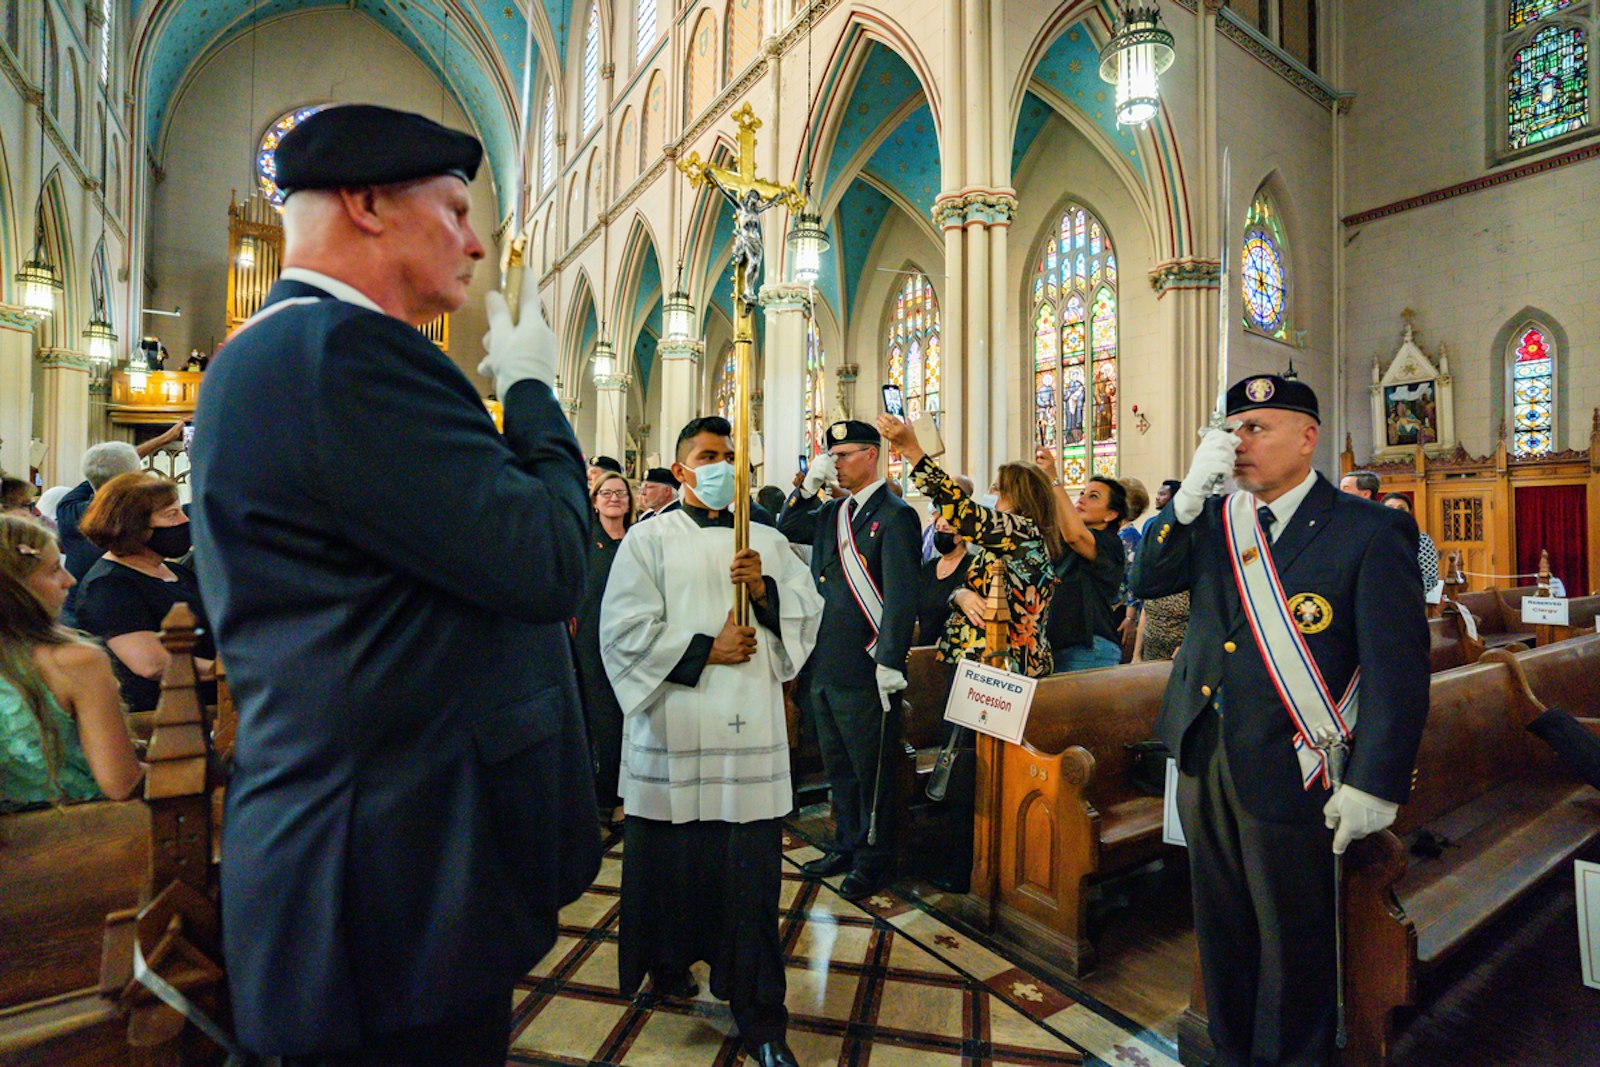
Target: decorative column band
{"x":673,"y":349}
{"x":1189,"y":273}
{"x":785,"y":296}
{"x":570,"y":405}
{"x":985,"y":207}
{"x":17,"y":318}
{"x":609,"y":382}
{"x":63,"y":357}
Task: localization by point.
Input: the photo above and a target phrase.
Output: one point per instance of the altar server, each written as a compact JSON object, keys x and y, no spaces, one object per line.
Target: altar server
{"x":705,"y":760}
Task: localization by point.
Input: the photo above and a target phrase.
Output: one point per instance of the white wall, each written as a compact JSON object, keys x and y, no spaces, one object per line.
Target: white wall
{"x":209,"y":149}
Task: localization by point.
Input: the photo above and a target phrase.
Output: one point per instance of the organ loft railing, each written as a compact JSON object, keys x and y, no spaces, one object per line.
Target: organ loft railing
{"x":255,"y":259}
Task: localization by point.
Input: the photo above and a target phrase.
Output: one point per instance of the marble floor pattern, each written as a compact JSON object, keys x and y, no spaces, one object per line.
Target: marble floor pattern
{"x":881,"y":984}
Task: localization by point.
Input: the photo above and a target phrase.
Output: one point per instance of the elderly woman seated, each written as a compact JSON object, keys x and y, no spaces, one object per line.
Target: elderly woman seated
{"x":136,"y":520}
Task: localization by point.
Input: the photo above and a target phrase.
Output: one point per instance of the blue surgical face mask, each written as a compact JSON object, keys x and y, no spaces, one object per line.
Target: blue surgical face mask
{"x":990,"y":500}
{"x":713,"y":485}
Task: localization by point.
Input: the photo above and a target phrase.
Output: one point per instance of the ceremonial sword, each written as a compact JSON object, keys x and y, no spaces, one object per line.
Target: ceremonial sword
{"x":1219,"y":414}
{"x":512,"y":267}
{"x":1334,"y":750}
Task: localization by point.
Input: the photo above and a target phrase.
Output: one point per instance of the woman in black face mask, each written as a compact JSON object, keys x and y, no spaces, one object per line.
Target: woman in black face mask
{"x":129,"y":590}
{"x":941,"y":576}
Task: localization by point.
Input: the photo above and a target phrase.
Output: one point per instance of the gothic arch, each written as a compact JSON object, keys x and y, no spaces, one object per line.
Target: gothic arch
{"x":1500,"y":373}
{"x":637,"y":249}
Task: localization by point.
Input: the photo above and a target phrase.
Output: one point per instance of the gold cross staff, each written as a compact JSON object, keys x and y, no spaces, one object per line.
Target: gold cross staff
{"x":735,"y":183}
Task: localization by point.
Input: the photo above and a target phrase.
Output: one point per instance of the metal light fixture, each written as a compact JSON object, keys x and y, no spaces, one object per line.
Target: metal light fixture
{"x":247,"y":252}
{"x":604,"y":361}
{"x":39,"y":282}
{"x":1134,"y":60}
{"x":677,"y":313}
{"x":808,"y":241}
{"x":100,"y":340}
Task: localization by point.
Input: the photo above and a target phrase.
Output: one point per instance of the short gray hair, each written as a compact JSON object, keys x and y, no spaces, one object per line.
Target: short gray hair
{"x":106,"y":460}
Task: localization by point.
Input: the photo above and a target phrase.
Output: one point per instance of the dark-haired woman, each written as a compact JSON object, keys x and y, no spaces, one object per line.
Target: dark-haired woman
{"x":62,"y":735}
{"x":611,"y":499}
{"x":1083,"y":628}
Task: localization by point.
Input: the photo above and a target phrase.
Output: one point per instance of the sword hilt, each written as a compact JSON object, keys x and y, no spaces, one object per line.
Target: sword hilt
{"x":1218,"y":421}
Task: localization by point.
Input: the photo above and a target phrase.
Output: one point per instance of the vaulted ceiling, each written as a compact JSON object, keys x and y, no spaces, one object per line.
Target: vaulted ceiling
{"x":474,"y":47}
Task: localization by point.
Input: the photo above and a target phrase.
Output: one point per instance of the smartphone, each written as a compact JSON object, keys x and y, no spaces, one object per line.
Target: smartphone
{"x":188,"y":435}
{"x":805,"y":463}
{"x":894,"y":401}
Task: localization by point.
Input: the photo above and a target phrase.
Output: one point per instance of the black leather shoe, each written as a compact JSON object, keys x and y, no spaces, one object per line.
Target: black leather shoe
{"x":772,"y":1054}
{"x":859,"y":884}
{"x":676,"y":986}
{"x":827,"y":865}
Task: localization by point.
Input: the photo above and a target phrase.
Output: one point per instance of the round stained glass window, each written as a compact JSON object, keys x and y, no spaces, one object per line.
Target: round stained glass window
{"x":1263,"y":283}
{"x":267,"y":152}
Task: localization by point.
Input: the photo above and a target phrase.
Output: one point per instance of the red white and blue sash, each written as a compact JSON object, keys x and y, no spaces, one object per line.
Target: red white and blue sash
{"x":1295,"y":675}
{"x":868,"y":596}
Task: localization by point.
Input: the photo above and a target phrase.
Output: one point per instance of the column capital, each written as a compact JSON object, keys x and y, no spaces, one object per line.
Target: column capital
{"x":64,"y":358}
{"x":1188,"y":273}
{"x":671,"y":349}
{"x":974,"y":205}
{"x":604,"y":383}
{"x":785,"y":296}
{"x":15,"y":317}
{"x":847,"y":371}
{"x":570,"y":405}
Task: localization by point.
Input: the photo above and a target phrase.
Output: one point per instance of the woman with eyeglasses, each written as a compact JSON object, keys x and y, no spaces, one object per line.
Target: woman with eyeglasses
{"x":611,"y":499}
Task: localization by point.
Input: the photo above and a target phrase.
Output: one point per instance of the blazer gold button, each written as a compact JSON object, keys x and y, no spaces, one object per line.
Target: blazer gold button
{"x":1229,"y":646}
{"x":1205,"y":690}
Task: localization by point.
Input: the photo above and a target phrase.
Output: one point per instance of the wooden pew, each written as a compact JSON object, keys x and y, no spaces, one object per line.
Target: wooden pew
{"x":67,"y":993}
{"x":1449,"y":643}
{"x":1499,"y":615}
{"x":1581,"y":613}
{"x":1564,"y":675}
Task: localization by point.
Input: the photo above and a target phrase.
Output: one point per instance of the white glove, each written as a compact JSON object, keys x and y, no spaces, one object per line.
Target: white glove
{"x":1352,"y":815}
{"x":1213,"y":461}
{"x":520,"y":351}
{"x":889,"y":681}
{"x":821,"y":472}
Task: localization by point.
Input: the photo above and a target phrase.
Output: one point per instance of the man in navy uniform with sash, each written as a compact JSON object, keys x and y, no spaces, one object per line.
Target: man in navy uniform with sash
{"x":1295,"y":709}
{"x":866,"y":555}
{"x":390,"y":581}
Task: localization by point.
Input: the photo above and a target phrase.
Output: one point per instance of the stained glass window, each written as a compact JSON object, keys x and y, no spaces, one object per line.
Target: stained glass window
{"x":644,"y":29}
{"x":653,"y":129}
{"x":1264,"y":273}
{"x":1520,"y":13}
{"x":723,"y":393}
{"x":547,"y":141}
{"x":1075,"y":346}
{"x":267,"y":151}
{"x":1547,"y":86}
{"x":816,"y":410}
{"x":591,"y":70}
{"x":703,"y":67}
{"x":912,"y":348}
{"x":1532,"y":392}
{"x":108,"y":15}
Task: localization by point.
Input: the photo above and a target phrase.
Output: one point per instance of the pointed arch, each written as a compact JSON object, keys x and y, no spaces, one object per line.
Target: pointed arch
{"x":700,"y":234}
{"x":55,"y":226}
{"x":580,"y":311}
{"x":52,"y":66}
{"x":911,"y":353}
{"x":742,"y":24}
{"x":594,"y":189}
{"x":701,"y":66}
{"x":589,"y":72}
{"x":638,"y":249}
{"x":624,"y":161}
{"x":1526,"y":393}
{"x":1266,"y":264}
{"x":547,"y":139}
{"x":653,"y":124}
{"x":77,"y":102}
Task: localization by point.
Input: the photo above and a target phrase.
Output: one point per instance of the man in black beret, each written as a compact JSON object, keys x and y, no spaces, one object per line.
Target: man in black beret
{"x":411,"y":802}
{"x":866,"y":556}
{"x":1306,"y":616}
{"x":659,"y":489}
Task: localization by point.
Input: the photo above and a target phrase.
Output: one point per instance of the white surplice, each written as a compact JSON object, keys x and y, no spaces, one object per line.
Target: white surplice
{"x":718,"y":750}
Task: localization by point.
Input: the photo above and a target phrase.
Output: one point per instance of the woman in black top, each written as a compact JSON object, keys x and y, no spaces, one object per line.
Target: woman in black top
{"x":941,"y":577}
{"x":1083,"y":631}
{"x":611,"y":499}
{"x":124,"y":597}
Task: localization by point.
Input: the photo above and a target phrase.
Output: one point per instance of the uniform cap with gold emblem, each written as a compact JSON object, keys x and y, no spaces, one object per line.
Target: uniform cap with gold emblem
{"x":853,"y":432}
{"x":1272,"y":391}
{"x":356,"y":145}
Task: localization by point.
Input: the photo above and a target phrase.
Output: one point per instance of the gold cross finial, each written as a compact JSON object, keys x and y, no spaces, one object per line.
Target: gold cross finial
{"x":741,"y":177}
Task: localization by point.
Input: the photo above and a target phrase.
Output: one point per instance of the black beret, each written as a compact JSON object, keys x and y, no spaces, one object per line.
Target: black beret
{"x":360,"y":144}
{"x":853,"y":432}
{"x":1272,"y":391}
{"x":661,"y":476}
{"x":606,"y":463}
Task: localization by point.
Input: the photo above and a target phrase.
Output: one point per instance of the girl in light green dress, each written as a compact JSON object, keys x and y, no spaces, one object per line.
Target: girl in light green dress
{"x":62,"y":734}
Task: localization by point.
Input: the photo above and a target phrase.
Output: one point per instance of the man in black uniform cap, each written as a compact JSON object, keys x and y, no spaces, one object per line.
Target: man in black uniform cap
{"x":660,"y":488}
{"x":866,"y":557}
{"x":1336,"y":644}
{"x":411,"y":801}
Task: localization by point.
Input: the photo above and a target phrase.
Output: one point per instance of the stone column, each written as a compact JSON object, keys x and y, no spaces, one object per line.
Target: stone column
{"x":783,"y":383}
{"x":611,"y":415}
{"x":569,"y":408}
{"x":1187,"y":292}
{"x":64,"y":398}
{"x":16,"y":389}
{"x":679,"y":367}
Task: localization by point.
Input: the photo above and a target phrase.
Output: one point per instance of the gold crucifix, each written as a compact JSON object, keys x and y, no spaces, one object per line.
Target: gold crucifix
{"x":750,"y":196}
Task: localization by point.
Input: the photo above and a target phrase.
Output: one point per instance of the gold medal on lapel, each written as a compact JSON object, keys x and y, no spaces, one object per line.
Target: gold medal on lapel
{"x":1250,"y":556}
{"x":1311,"y":613}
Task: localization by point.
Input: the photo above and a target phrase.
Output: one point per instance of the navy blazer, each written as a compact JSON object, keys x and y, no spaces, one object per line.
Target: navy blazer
{"x":1361,"y":558}
{"x":889,"y":538}
{"x":390,"y":579}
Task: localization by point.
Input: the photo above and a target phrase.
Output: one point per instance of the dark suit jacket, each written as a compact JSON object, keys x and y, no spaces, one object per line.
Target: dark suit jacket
{"x":889,"y":538}
{"x":77,"y":553}
{"x":390,"y":581}
{"x":1362,"y":558}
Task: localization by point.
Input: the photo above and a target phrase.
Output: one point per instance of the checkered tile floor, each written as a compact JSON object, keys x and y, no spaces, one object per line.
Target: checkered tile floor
{"x":877,"y":985}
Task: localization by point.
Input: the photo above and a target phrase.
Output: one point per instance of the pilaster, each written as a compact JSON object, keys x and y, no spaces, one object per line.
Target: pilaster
{"x":16,"y":389}
{"x":679,"y":367}
{"x":784,"y":375}
{"x":611,"y":415}
{"x":64,"y":398}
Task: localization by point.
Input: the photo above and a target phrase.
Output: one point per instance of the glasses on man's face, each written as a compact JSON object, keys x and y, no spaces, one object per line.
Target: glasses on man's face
{"x":612,"y":494}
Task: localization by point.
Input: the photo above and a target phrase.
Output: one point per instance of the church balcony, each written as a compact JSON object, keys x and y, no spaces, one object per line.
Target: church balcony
{"x":153,"y":397}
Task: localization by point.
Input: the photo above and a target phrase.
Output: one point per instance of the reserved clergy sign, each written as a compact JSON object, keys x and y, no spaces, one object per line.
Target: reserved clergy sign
{"x":990,"y":700}
{"x":1545,"y":610}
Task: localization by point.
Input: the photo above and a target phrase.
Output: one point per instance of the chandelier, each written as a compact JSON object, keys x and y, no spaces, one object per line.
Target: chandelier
{"x":808,"y":241}
{"x":1133,"y":60}
{"x":604,"y":361}
{"x":677,"y":312}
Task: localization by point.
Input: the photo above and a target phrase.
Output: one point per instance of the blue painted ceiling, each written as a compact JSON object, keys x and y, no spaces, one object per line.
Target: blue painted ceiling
{"x":486,"y":84}
{"x":861,"y":215}
{"x":1071,"y":69}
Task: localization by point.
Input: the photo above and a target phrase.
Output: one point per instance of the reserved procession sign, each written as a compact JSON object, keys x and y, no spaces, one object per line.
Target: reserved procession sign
{"x":990,"y":701}
{"x":1545,"y":610}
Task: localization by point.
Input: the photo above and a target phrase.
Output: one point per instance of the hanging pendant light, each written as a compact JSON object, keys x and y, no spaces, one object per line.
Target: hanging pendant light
{"x":677,"y":312}
{"x":1133,"y":60}
{"x":808,"y":241}
{"x":100,"y":340}
{"x":603,"y":364}
{"x":39,"y":283}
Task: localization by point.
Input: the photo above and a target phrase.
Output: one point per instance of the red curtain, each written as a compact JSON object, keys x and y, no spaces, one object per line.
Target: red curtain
{"x":1554,"y":518}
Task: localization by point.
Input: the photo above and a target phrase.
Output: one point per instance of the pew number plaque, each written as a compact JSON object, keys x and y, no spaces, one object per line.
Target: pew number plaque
{"x":990,"y":701}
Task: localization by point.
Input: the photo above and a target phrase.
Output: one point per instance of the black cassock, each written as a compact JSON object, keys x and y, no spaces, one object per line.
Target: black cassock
{"x":600,"y":708}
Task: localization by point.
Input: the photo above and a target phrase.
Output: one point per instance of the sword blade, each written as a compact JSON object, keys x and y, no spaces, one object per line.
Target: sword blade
{"x":1224,"y":292}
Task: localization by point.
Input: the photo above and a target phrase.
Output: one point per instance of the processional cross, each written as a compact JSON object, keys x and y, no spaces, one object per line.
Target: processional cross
{"x":750,"y":196}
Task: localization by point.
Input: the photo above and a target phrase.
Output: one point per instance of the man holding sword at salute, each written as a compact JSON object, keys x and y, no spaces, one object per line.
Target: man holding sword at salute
{"x":1295,"y":709}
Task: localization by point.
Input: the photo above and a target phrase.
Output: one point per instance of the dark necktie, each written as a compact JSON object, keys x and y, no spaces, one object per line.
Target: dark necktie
{"x":850,"y":510}
{"x":1267,"y":518}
